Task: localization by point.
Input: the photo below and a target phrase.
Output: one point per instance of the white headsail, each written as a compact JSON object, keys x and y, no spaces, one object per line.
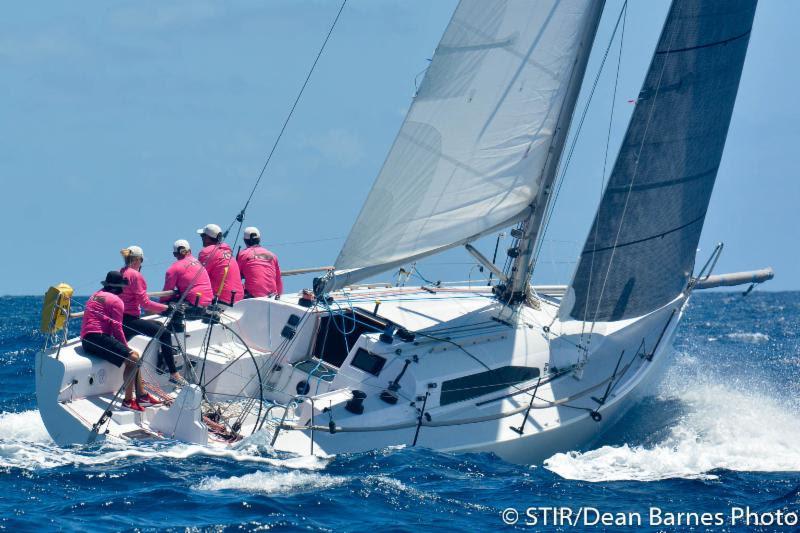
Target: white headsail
{"x":470,"y":154}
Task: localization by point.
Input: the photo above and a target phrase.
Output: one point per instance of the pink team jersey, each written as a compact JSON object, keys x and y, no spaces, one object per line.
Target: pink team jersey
{"x":134,"y":296}
{"x":261,"y":272}
{"x":187,"y":274}
{"x":216,"y":259}
{"x":103,"y":314}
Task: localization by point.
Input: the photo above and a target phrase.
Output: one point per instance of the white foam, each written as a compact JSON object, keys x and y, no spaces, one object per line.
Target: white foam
{"x":24,"y":443}
{"x":395,"y":485}
{"x":390,"y":484}
{"x":724,"y":428}
{"x":750,"y":338}
{"x":273,"y":482}
{"x":27,"y":426}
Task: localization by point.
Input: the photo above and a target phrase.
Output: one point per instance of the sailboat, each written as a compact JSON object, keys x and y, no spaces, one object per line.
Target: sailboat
{"x":513,"y":368}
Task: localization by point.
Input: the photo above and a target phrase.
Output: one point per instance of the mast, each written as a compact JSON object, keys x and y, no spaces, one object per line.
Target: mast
{"x":531,"y":227}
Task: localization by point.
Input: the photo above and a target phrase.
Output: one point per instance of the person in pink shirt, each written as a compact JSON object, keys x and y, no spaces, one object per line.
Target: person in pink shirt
{"x":187,"y":276}
{"x":259,"y":267}
{"x":136,"y":301}
{"x":102,"y":336}
{"x":217,"y":258}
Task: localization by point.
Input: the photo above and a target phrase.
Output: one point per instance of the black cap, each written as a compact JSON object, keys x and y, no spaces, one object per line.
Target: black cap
{"x":114,"y":279}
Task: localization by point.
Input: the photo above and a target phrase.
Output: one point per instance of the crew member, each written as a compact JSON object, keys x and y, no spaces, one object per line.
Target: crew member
{"x":187,"y":276}
{"x":217,"y":257}
{"x":259,"y":267}
{"x":102,"y":336}
{"x":136,"y":300}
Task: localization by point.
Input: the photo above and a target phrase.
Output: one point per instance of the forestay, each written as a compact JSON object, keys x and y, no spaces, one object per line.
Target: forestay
{"x":641,"y":249}
{"x":470,"y":153}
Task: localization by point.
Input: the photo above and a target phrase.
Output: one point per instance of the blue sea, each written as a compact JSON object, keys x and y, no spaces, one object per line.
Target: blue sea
{"x":721,"y":432}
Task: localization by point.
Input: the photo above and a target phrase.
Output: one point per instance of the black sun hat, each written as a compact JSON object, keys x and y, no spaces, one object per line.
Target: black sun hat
{"x":114,"y":279}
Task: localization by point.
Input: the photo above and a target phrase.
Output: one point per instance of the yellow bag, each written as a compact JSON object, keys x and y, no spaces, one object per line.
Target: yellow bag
{"x":55,"y":311}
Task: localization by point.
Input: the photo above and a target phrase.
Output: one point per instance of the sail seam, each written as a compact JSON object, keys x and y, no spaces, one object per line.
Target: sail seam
{"x":657,"y":185}
{"x":707,"y":45}
{"x":658,"y":236}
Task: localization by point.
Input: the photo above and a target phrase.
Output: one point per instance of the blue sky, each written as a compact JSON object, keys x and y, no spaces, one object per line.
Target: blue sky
{"x":138,"y":122}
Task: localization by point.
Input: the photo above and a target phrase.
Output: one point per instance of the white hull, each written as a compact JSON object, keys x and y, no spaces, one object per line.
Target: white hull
{"x":461,"y":333}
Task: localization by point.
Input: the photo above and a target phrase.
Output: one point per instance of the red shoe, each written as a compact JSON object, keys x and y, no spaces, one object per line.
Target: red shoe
{"x":148,"y":400}
{"x":133,"y":405}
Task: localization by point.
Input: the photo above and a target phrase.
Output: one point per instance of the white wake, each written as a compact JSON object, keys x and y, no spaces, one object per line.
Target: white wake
{"x":273,"y":482}
{"x":725,"y":427}
{"x":24,"y":443}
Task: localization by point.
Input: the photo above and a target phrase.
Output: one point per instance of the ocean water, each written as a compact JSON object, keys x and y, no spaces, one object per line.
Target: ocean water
{"x":722,"y":431}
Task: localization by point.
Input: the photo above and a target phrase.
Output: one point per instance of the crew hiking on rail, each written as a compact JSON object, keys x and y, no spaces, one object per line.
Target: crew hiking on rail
{"x":259,"y":267}
{"x":223,"y":271}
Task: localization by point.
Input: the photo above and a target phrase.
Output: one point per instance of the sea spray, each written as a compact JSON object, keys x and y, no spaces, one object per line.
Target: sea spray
{"x":723,"y":427}
{"x":24,"y":443}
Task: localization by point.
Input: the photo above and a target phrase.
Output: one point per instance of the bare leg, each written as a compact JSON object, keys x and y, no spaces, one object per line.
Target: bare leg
{"x":132,"y":360}
{"x":139,"y":384}
{"x":126,"y":376}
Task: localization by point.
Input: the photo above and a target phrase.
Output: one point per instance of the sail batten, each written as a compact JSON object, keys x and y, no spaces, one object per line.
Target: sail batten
{"x":470,"y":153}
{"x":640,"y":251}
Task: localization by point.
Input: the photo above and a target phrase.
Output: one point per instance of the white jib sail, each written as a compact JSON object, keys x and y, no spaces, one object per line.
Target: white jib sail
{"x":469,"y":156}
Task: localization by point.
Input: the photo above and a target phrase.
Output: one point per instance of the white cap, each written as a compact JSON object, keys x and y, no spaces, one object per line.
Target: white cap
{"x":251,"y":232}
{"x":212,"y":230}
{"x":133,"y":251}
{"x":180,"y":243}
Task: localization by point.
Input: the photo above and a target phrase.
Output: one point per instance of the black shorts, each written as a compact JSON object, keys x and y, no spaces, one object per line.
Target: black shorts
{"x":106,"y":347}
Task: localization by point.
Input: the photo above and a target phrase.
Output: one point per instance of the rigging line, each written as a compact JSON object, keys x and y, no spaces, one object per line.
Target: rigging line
{"x":441,"y":339}
{"x":560,"y":181}
{"x":240,"y":217}
{"x":636,"y":165}
{"x":605,"y":164}
{"x":294,"y":105}
{"x":460,"y":347}
{"x":308,"y":312}
{"x":418,"y":274}
{"x":312,"y":241}
{"x":143,"y":362}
